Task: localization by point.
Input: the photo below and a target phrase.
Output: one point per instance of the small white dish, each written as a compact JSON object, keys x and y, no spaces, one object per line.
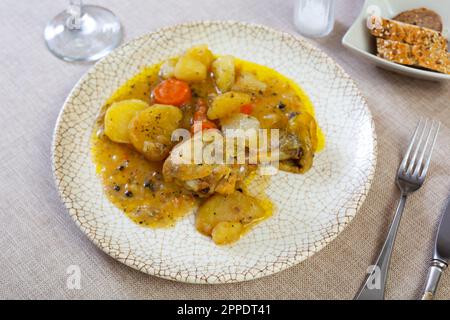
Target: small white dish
{"x":362,"y":42}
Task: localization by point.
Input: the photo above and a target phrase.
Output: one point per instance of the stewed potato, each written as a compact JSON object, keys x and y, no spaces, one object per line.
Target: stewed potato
{"x":228,"y":103}
{"x":189,"y":69}
{"x":239,"y":121}
{"x":227,"y":232}
{"x":237,"y":209}
{"x":223,"y":69}
{"x":151,"y":130}
{"x":118,"y":117}
{"x":248,"y":82}
{"x":201,"y":53}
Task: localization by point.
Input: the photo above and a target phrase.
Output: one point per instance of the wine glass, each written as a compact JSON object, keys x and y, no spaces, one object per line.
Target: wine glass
{"x":83,"y":32}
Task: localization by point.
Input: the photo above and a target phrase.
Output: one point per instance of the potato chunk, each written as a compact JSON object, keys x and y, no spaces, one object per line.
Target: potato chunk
{"x":189,"y":69}
{"x":227,"y":103}
{"x":239,"y":121}
{"x":151,"y":130}
{"x":227,"y":232}
{"x":248,"y":82}
{"x":224,"y":72}
{"x":235,"y":209}
{"x":118,"y":117}
{"x":201,"y":53}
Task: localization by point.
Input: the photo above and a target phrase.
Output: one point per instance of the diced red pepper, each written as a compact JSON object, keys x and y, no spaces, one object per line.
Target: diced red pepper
{"x":205,"y":125}
{"x":247,"y":108}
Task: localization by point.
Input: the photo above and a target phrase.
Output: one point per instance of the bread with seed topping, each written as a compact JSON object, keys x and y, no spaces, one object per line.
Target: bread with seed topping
{"x":402,"y":32}
{"x":417,"y":55}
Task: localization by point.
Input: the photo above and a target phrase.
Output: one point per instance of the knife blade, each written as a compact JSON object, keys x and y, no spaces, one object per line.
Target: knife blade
{"x":441,"y":255}
{"x":442,"y":246}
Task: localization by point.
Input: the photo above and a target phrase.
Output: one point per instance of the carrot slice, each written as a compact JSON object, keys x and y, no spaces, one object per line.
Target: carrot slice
{"x":172,"y":91}
{"x":247,"y":108}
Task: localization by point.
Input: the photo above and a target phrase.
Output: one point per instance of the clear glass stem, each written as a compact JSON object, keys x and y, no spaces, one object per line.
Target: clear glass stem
{"x":75,"y":11}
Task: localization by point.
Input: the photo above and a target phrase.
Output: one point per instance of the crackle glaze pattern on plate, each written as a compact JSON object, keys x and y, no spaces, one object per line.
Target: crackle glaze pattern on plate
{"x":312,"y":209}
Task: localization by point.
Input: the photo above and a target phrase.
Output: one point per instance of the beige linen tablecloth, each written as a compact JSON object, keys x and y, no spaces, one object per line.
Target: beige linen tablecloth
{"x":39,"y":241}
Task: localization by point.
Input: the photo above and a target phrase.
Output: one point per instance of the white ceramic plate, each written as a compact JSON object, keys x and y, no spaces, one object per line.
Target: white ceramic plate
{"x":359,"y":40}
{"x":312,"y":209}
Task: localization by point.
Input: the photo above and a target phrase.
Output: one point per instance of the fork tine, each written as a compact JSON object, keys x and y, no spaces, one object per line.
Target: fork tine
{"x":411,"y":144}
{"x":412,"y":162}
{"x":420,"y":163}
{"x":427,"y":161}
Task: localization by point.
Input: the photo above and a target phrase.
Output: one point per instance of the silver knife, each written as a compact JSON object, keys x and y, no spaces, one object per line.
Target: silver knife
{"x":441,"y":255}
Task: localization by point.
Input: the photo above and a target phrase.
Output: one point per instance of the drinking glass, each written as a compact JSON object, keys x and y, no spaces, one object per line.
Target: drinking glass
{"x":314,"y":18}
{"x":83,"y":32}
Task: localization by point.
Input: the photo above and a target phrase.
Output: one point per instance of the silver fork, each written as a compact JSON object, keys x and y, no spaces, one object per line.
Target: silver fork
{"x":410,"y":177}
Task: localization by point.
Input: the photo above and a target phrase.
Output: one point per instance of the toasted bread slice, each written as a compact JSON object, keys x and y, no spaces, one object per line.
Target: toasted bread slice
{"x":395,"y":51}
{"x":421,"y":17}
{"x":414,"y":55}
{"x":403,"y":32}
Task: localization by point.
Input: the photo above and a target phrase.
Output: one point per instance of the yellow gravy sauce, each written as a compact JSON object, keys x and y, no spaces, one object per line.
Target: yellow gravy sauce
{"x":136,"y":186}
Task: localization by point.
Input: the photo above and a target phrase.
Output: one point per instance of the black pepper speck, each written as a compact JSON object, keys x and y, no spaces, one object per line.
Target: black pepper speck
{"x":128,"y":193}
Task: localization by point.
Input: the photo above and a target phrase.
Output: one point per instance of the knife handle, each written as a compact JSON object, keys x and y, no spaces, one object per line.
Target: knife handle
{"x":434,"y":274}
